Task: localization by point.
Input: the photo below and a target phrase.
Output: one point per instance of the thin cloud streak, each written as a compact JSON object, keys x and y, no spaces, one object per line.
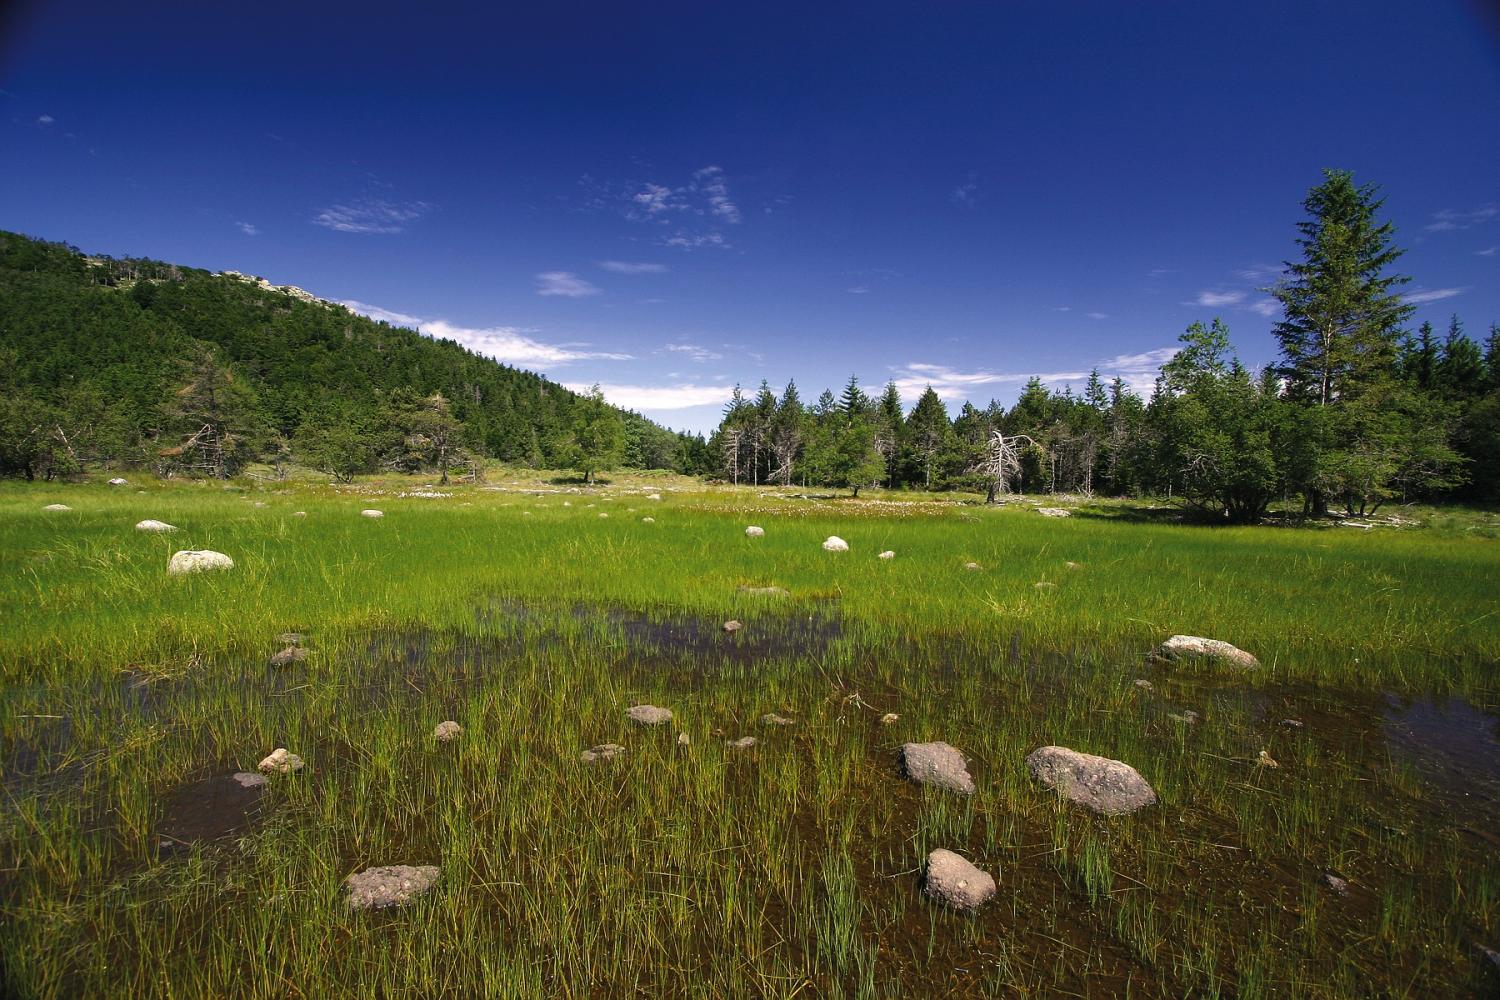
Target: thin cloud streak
{"x":1138,"y":371}
{"x":509,"y":344}
{"x":373,"y":216}
{"x":565,"y":284}
{"x":1431,"y":295}
{"x":658,"y":397}
{"x":633,"y":267}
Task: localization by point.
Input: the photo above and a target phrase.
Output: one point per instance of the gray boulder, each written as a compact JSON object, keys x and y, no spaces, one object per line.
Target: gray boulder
{"x":158,"y":527}
{"x":1189,"y":647}
{"x":743,"y":743}
{"x":604,"y":751}
{"x":197,"y":561}
{"x":772,"y":719}
{"x":57,"y":506}
{"x":1106,"y":786}
{"x":392,"y":885}
{"x":648,"y":715}
{"x":288,"y":656}
{"x":447,"y":732}
{"x":953,"y":881}
{"x":280,"y":761}
{"x":937,"y":764}
{"x":733,"y":625}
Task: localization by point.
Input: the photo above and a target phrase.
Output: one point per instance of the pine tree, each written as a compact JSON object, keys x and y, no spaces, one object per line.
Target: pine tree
{"x":928,"y":434}
{"x":1460,"y":369}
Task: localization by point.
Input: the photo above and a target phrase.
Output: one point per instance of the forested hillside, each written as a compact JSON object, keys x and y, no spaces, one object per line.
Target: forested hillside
{"x":139,"y":363}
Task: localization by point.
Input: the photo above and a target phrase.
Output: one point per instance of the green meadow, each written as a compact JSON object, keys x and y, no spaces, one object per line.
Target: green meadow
{"x":534,"y":612}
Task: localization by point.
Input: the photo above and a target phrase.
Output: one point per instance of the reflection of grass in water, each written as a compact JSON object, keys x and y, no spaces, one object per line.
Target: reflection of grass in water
{"x":729,"y":873}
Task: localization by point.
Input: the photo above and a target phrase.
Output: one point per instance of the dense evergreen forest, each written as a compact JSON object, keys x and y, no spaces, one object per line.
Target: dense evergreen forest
{"x":134,"y":363}
{"x":1358,"y":411}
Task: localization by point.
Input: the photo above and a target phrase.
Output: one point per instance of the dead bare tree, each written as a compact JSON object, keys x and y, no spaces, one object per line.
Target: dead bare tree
{"x":1001,"y":462}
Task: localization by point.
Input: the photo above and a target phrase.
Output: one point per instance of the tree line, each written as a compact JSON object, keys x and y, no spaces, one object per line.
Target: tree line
{"x":140,"y":364}
{"x":1358,"y":411}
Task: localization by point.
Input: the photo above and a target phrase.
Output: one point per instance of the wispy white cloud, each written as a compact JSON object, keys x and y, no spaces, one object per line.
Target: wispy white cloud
{"x":510,"y":344}
{"x":1448,"y":220}
{"x":1488,"y":251}
{"x":1265,"y":307}
{"x":691,"y":241}
{"x":857,"y":290}
{"x":248,"y":228}
{"x":371,"y":216}
{"x":1215,"y":300}
{"x":632,"y":267}
{"x":564,"y":283}
{"x":654,"y":199}
{"x":1160,"y":272}
{"x":45,"y":120}
{"x":1097,"y":315}
{"x":1138,"y":371}
{"x":695,"y":352}
{"x":1261,"y":274}
{"x":659,"y":397}
{"x":965,"y":194}
{"x":710,"y":181}
{"x":1431,"y":295}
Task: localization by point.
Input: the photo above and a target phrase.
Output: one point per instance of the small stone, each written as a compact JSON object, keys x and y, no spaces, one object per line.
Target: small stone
{"x":765,"y":591}
{"x":447,"y":732}
{"x":833,"y":543}
{"x":755,"y":531}
{"x":281,"y":762}
{"x":1491,"y":954}
{"x":1070,"y":564}
{"x":1144,"y":684}
{"x":57,"y":506}
{"x":1044,"y":585}
{"x":1054,"y":512}
{"x":889,"y":718}
{"x":603,"y":515}
{"x":1098,"y":783}
{"x":938,"y":764}
{"x":260,"y":503}
{"x":733,"y":626}
{"x":117,"y":481}
{"x":394,"y":885}
{"x":1182,"y":647}
{"x":158,"y":527}
{"x":1293,"y":723}
{"x":887,"y":554}
{"x":971,"y":566}
{"x":567,"y":503}
{"x":288,"y":656}
{"x":197,"y":561}
{"x":743,"y":743}
{"x":644,"y":520}
{"x":299,"y":513}
{"x":1338,"y":885}
{"x":1187,"y":718}
{"x":772,"y":719}
{"x":1264,"y":759}
{"x":653,"y":496}
{"x":604,"y":751}
{"x":683,"y":740}
{"x":372,"y":513}
{"x":247,"y":779}
{"x":954,"y":881}
{"x":648,"y":715}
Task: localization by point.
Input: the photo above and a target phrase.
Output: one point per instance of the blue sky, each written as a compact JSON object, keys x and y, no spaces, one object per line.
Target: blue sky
{"x":670,"y":198}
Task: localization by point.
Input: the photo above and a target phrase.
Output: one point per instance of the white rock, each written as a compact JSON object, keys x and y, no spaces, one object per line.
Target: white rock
{"x":281,"y":761}
{"x":887,"y":554}
{"x":157,"y":526}
{"x":755,"y":531}
{"x":299,"y":513}
{"x":372,"y":513}
{"x":197,"y":560}
{"x":117,"y":481}
{"x":654,"y":496}
{"x":1181,"y":647}
{"x":447,"y":732}
{"x":391,"y":885}
{"x":833,"y":543}
{"x":1054,"y":512}
{"x":648,"y":520}
{"x":648,"y":715}
{"x":57,"y":506}
{"x":603,"y":515}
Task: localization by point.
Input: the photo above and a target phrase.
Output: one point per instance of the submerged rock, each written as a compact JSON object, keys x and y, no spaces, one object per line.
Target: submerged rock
{"x":833,"y":543}
{"x":755,"y":531}
{"x":937,"y":764}
{"x":1106,"y":786}
{"x":154,"y":526}
{"x":280,"y":761}
{"x":733,"y":626}
{"x":648,"y":715}
{"x":197,"y":561}
{"x":1144,"y":684}
{"x":889,"y":718}
{"x":447,"y":732}
{"x":1338,"y":885}
{"x":954,"y":881}
{"x":372,"y":513}
{"x":772,"y":719}
{"x":249,"y":779}
{"x":392,"y":885}
{"x":1181,"y":647}
{"x":605,"y":751}
{"x":743,"y":743}
{"x":288,"y":656}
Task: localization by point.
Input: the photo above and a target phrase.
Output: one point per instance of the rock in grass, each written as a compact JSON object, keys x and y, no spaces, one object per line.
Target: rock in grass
{"x":1338,"y":885}
{"x":648,"y":715}
{"x":197,"y":561}
{"x":392,"y":885}
{"x":1106,"y":786}
{"x":683,"y":740}
{"x":447,"y":732}
{"x":1054,"y":512}
{"x":605,"y":751}
{"x":755,"y":531}
{"x":938,"y":764}
{"x":299,"y":513}
{"x":743,"y":743}
{"x":280,"y":761}
{"x":772,"y":719}
{"x":1070,"y":564}
{"x":887,"y":554}
{"x":117,"y":481}
{"x":1144,"y":684}
{"x":57,"y":506}
{"x":972,"y":566}
{"x":248,"y":779}
{"x":1189,"y":647}
{"x":733,"y":626}
{"x":158,"y":527}
{"x":889,"y":718}
{"x":1044,"y":585}
{"x":1491,"y":954}
{"x":766,"y":591}
{"x":288,"y":656}
{"x":644,"y":520}
{"x":833,"y":543}
{"x":372,"y":513}
{"x":954,"y":881}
